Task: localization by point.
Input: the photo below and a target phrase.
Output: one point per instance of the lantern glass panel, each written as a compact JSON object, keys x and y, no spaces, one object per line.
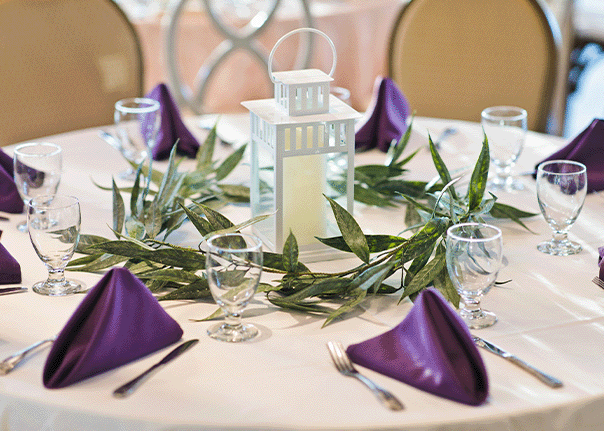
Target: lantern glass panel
{"x":262,"y":191}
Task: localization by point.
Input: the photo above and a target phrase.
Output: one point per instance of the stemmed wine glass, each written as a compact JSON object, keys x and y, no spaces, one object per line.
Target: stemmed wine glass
{"x":505,"y":128}
{"x":137,"y":123}
{"x":561,"y":190}
{"x":474,"y":252}
{"x":37,"y":168}
{"x":54,"y":230}
{"x":233,"y":266}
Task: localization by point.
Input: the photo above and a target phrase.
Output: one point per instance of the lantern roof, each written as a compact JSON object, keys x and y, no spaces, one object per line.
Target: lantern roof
{"x":304,"y":76}
{"x":269,"y":111}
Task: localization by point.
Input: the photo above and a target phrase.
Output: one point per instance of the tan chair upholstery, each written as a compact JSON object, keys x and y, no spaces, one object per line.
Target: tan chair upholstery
{"x":453,"y":58}
{"x":63,"y":65}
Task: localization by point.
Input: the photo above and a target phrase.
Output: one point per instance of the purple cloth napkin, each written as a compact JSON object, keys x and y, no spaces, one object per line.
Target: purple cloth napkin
{"x":431,"y":349}
{"x":600,"y":262}
{"x":171,"y":128}
{"x":385,"y":120}
{"x":10,"y":201}
{"x":118,"y":321}
{"x":587,"y":148}
{"x":10,"y":270}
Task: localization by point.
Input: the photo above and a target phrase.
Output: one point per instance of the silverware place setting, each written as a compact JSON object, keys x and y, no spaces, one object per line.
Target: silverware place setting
{"x":345,"y":366}
{"x":490,"y":347}
{"x":9,"y":363}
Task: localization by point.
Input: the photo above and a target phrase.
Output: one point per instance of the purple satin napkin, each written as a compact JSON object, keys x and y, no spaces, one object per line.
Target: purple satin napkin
{"x":385,"y":120}
{"x":118,"y":321}
{"x":587,"y":148}
{"x":171,"y":128}
{"x":431,"y":349}
{"x":10,"y":201}
{"x":10,"y":270}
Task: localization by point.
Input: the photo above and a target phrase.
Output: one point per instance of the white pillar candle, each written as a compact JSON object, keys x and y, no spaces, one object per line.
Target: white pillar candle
{"x":304,"y":206}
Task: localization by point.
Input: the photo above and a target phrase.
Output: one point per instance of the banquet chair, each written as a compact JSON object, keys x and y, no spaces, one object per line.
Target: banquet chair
{"x":453,"y":58}
{"x":63,"y":65}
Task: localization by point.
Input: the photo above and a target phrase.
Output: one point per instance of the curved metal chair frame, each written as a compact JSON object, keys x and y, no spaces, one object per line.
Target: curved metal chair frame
{"x":453,"y":58}
{"x":235,"y":39}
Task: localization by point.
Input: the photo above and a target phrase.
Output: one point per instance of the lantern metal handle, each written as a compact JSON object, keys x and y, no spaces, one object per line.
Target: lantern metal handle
{"x":299,"y":30}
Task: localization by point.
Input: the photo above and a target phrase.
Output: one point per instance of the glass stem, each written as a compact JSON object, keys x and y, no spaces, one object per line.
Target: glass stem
{"x":232,"y":319}
{"x":56,"y":275}
{"x":471,"y":306}
{"x":560,"y":237}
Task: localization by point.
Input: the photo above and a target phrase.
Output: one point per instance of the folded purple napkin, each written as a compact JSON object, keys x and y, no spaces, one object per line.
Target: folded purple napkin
{"x":10,"y":201}
{"x":601,"y":262}
{"x":431,"y":349}
{"x":10,"y":270}
{"x":171,"y":128}
{"x":118,"y":321}
{"x":385,"y":120}
{"x":587,"y":148}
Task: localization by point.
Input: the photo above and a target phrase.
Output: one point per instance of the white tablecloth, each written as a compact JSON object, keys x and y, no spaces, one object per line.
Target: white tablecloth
{"x":550,"y":314}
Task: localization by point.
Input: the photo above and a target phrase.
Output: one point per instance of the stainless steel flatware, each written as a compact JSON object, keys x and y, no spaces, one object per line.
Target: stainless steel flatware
{"x":598,"y":282}
{"x":11,"y":290}
{"x":128,"y":388}
{"x":344,"y":366}
{"x":443,"y":136}
{"x":7,"y":365}
{"x":545,"y":378}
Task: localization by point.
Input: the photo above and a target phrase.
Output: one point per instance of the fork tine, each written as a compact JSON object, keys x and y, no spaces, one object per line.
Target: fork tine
{"x":598,"y":282}
{"x":344,"y":356}
{"x":334,"y":355}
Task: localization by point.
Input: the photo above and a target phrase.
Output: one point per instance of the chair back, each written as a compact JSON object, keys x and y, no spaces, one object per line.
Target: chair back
{"x":63,"y":65}
{"x":453,"y":58}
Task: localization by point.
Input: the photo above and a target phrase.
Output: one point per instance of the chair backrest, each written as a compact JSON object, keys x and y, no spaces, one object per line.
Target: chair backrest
{"x":63,"y":65}
{"x":453,"y":58}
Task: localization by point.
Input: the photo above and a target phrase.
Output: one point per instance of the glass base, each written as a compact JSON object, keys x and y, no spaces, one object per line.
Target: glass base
{"x":478,"y":319}
{"x":69,"y":287}
{"x":509,"y":185}
{"x":559,"y":248}
{"x":233,"y":333}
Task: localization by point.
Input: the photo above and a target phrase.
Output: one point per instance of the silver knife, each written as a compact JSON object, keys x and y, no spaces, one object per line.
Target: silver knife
{"x":545,"y":378}
{"x":125,"y":390}
{"x":10,"y":290}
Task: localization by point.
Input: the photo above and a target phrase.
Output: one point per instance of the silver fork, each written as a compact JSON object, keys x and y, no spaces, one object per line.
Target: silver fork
{"x":598,"y":282}
{"x":7,"y":365}
{"x":344,"y":365}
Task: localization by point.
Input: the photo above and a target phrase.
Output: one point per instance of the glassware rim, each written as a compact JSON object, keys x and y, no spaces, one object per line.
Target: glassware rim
{"x":497,"y":234}
{"x":520,"y":113}
{"x":542,"y":165}
{"x":75,"y":201}
{"x":257,"y":246}
{"x":57,"y":149}
{"x":153,"y":105}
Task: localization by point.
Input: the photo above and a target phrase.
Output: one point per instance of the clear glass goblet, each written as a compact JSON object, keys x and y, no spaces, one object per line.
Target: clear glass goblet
{"x":561,"y":190}
{"x":54,"y":230}
{"x":233,"y":267}
{"x":37,"y":168}
{"x":505,"y":128}
{"x":474,"y":253}
{"x":137,"y":122}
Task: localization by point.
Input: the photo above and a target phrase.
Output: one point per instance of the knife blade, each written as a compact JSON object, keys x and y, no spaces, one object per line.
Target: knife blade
{"x":490,"y":347}
{"x":10,"y":290}
{"x":127,"y":389}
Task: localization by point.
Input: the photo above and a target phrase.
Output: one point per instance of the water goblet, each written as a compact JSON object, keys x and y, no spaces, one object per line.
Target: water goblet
{"x":37,"y":171}
{"x":561,"y":190}
{"x":233,"y":267}
{"x":137,"y":123}
{"x":474,"y":252}
{"x":54,"y":230}
{"x":505,"y":128}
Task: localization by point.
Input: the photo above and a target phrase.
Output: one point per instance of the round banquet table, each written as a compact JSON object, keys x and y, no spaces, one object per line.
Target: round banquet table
{"x":550,"y":314}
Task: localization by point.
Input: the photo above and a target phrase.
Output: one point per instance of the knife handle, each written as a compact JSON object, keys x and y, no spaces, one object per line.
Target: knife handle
{"x":127,"y":388}
{"x":545,"y":378}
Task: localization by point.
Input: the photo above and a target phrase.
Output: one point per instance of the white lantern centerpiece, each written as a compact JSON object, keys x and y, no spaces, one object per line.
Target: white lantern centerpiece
{"x":302,"y":145}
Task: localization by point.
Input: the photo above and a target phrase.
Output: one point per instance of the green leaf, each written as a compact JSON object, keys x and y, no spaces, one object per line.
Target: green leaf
{"x":372,"y":277}
{"x":119,"y":212}
{"x":426,"y":275}
{"x":500,"y":210}
{"x":179,"y":258}
{"x":95,"y":262}
{"x":402,"y":144}
{"x":134,"y":228}
{"x":290,"y":253}
{"x":369,"y":196}
{"x":440,"y":166}
{"x":348,"y":306}
{"x":201,"y":224}
{"x":195,"y":290}
{"x":205,"y":153}
{"x":275,"y":261}
{"x":227,"y":166}
{"x":352,"y":233}
{"x":478,"y":181}
{"x":217,"y":220}
{"x":376,"y":243}
{"x":425,"y":238}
